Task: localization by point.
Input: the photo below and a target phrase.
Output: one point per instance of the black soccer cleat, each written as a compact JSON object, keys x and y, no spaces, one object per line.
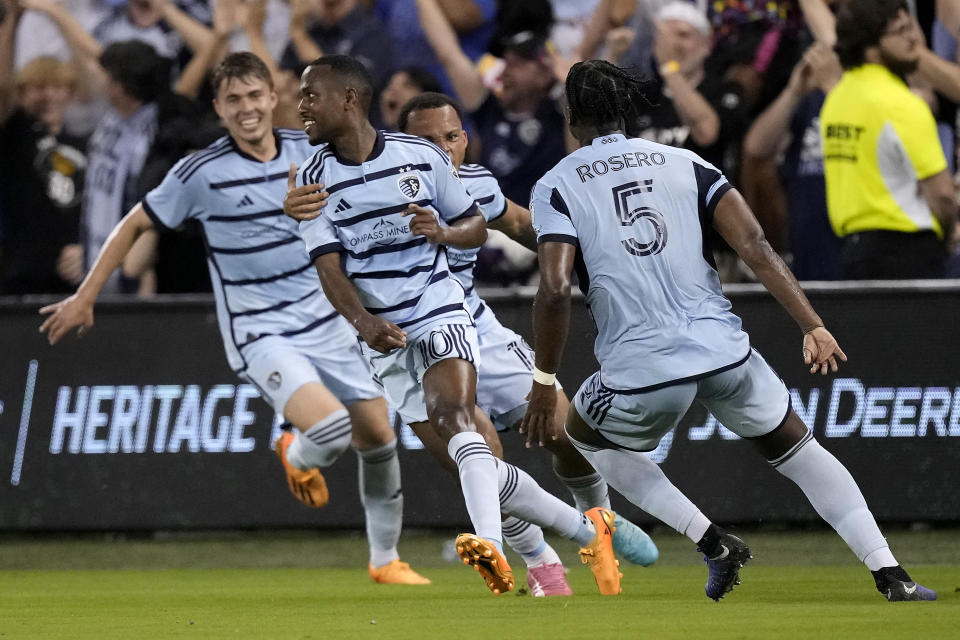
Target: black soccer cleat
{"x":725,"y":566}
{"x":896,"y":586}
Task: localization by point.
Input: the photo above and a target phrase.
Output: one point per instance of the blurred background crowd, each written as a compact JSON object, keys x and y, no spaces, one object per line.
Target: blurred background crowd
{"x":98,"y":99}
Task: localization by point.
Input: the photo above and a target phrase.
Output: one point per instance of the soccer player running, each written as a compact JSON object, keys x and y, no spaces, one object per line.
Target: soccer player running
{"x":382,"y":259}
{"x":631,"y":216}
{"x":506,"y":361}
{"x":279,"y":332}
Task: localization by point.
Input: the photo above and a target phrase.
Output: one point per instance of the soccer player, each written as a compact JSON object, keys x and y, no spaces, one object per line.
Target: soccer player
{"x":633,"y":216}
{"x":279,"y":332}
{"x":506,"y":361}
{"x":382,"y":259}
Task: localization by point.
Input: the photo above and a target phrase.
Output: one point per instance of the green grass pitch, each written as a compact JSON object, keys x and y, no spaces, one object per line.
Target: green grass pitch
{"x":299,"y":585}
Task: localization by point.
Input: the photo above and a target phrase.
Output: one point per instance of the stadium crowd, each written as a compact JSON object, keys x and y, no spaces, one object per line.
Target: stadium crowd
{"x":99,"y":98}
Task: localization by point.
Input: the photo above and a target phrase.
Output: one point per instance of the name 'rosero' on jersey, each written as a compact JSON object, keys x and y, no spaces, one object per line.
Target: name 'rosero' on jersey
{"x":640,"y":214}
{"x":264,"y":282}
{"x":398,"y":276}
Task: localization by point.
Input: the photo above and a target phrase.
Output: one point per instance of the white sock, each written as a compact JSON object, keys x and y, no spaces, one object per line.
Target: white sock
{"x":588,"y":491}
{"x":478,"y":480}
{"x":642,"y":482}
{"x":321,"y":444}
{"x":382,"y":501}
{"x":522,"y":497}
{"x":836,"y":497}
{"x":527,"y":540}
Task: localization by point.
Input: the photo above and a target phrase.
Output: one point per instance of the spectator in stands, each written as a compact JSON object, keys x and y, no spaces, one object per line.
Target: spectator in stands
{"x":520,"y":129}
{"x":160,"y":23}
{"x":403,"y":85}
{"x":790,"y":128}
{"x":137,"y":77}
{"x":472,"y":20}
{"x":38,"y":35}
{"x":41,"y":172}
{"x":697,"y":111}
{"x":343,"y":27}
{"x":889,"y":194}
{"x":622,"y":32}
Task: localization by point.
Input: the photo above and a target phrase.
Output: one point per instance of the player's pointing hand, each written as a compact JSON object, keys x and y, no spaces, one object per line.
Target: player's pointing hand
{"x":64,"y":316}
{"x":821,"y":351}
{"x":425,"y":223}
{"x":303,"y":203}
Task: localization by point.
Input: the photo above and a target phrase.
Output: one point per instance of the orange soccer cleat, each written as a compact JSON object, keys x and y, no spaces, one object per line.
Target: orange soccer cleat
{"x":599,"y":553}
{"x":396,"y":572}
{"x":308,"y":487}
{"x":487,"y":559}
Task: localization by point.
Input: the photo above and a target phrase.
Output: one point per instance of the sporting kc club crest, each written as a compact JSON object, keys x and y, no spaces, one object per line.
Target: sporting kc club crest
{"x":409,"y":185}
{"x":274,"y":380}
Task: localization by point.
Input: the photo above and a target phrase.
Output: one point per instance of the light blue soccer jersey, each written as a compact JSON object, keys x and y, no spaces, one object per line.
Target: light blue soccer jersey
{"x":484,"y":188}
{"x":640,"y":214}
{"x":398,"y":276}
{"x":263,"y":280}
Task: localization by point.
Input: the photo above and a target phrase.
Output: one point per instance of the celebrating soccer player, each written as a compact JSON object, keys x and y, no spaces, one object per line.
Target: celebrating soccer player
{"x":635,"y":215}
{"x":279,"y":331}
{"x":382,"y":259}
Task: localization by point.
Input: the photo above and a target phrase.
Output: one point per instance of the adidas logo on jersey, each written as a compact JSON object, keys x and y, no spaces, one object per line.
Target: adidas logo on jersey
{"x":343,"y":205}
{"x":246,"y":201}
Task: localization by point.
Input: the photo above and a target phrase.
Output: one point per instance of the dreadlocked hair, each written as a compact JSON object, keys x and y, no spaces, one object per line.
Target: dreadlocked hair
{"x":605,"y":96}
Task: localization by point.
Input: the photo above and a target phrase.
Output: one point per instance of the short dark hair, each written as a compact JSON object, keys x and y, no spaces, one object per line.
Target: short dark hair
{"x":605,"y":96}
{"x":419,"y":76}
{"x":428,"y":100}
{"x":241,"y":64}
{"x":861,"y":24}
{"x":138,"y":68}
{"x":352,"y":72}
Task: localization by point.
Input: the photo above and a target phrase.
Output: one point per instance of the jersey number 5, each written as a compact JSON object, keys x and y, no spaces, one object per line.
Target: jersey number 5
{"x":647,"y":223}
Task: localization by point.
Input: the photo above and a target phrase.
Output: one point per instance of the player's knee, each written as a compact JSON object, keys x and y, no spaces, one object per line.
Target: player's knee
{"x":450,"y":418}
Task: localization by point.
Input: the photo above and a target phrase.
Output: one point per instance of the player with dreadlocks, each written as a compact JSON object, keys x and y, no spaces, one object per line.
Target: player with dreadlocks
{"x":633,"y":216}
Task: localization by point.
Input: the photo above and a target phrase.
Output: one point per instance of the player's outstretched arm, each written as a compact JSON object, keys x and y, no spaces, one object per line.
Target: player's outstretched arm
{"x":303,"y":203}
{"x":76,"y":312}
{"x":466,"y":233}
{"x":551,"y":321}
{"x":379,"y":334}
{"x":515,"y":224}
{"x":734,"y":220}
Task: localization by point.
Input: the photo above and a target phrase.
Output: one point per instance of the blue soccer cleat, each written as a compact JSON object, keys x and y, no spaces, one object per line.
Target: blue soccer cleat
{"x":632,"y":543}
{"x":725,"y":566}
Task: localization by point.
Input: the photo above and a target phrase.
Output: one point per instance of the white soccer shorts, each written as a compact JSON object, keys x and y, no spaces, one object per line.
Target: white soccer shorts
{"x":401,"y":371}
{"x":749,"y":400}
{"x":506,"y":372}
{"x":280,"y":365}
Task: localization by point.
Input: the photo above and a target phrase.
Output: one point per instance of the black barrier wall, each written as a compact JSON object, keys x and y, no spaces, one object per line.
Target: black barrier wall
{"x":141,"y":425}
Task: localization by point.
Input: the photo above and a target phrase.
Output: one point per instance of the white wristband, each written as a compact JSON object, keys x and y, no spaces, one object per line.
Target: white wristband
{"x":544,"y":378}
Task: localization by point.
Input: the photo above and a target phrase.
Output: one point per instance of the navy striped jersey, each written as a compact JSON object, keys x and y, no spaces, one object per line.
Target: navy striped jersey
{"x":640,"y":214}
{"x":398,"y":276}
{"x":485,"y":189}
{"x":263,"y":280}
